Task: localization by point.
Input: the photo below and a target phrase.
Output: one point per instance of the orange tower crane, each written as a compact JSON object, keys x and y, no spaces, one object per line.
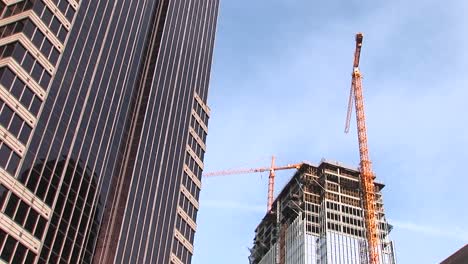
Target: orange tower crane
{"x":367,"y":176}
{"x":271,"y":176}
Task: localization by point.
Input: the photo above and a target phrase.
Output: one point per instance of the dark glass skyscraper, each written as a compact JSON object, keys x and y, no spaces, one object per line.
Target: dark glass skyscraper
{"x":103,"y":122}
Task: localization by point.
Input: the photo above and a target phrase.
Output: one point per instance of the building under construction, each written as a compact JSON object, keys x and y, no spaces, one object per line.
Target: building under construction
{"x":319,"y":218}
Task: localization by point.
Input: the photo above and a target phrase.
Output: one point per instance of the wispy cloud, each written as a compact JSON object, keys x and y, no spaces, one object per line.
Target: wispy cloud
{"x":232,"y":205}
{"x":279,"y":86}
{"x":447,"y":232}
{"x":453,"y":233}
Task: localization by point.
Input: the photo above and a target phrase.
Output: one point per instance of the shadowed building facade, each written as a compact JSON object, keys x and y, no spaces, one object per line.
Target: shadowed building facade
{"x":459,"y":257}
{"x":103,"y":122}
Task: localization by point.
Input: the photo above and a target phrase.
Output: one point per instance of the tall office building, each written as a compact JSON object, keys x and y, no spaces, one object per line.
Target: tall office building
{"x":318,"y":218}
{"x":459,"y":257}
{"x":103,"y":121}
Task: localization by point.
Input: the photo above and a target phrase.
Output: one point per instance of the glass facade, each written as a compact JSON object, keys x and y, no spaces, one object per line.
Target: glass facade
{"x":318,"y":218}
{"x":103,"y":122}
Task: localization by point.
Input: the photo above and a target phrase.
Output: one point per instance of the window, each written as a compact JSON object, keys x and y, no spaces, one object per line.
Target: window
{"x":28,"y":28}
{"x":54,"y":55}
{"x":31,"y":220}
{"x":37,"y":71}
{"x":7,"y":77}
{"x":35,"y":105}
{"x":24,"y":134}
{"x":21,"y":213}
{"x":3,"y":194}
{"x":28,"y":62}
{"x":38,"y":7}
{"x":63,"y":5}
{"x":5,"y":152}
{"x":11,"y":205}
{"x":70,"y":13}
{"x":47,"y":16}
{"x":8,"y":160}
{"x":7,"y":50}
{"x":40,"y":227}
{"x":16,"y":125}
{"x":62,"y":33}
{"x":30,"y":257}
{"x":2,"y":237}
{"x":8,"y":249}
{"x":55,"y":25}
{"x":38,"y":38}
{"x":19,"y":52}
{"x":17,"y":8}
{"x":17,"y":89}
{"x":19,"y":254}
{"x":44,"y":81}
{"x":46,"y":47}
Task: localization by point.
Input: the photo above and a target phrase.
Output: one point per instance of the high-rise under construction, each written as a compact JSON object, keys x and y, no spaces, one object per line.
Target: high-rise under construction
{"x":319,"y":217}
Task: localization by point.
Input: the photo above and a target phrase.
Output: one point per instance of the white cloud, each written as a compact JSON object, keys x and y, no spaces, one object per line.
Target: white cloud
{"x":447,"y":232}
{"x":232,"y":205}
{"x":283,"y":90}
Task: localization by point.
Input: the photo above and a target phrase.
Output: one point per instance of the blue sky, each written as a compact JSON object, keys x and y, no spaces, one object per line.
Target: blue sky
{"x":280,"y":83}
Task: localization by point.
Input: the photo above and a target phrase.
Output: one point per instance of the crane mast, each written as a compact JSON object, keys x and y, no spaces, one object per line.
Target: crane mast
{"x":367,"y":176}
{"x":271,"y":184}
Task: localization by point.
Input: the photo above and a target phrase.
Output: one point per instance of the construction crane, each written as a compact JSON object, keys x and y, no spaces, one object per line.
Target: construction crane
{"x":271,"y":176}
{"x":367,"y":176}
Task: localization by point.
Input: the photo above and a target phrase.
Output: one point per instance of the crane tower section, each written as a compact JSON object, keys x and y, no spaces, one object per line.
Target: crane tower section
{"x":367,"y":176}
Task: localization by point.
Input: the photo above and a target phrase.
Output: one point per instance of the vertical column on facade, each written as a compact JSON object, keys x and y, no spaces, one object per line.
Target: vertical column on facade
{"x":191,"y":184}
{"x":198,"y":124}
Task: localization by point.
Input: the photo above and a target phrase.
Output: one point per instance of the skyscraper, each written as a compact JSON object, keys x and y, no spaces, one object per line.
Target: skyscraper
{"x":319,"y":218}
{"x":459,"y":257}
{"x":103,"y":124}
